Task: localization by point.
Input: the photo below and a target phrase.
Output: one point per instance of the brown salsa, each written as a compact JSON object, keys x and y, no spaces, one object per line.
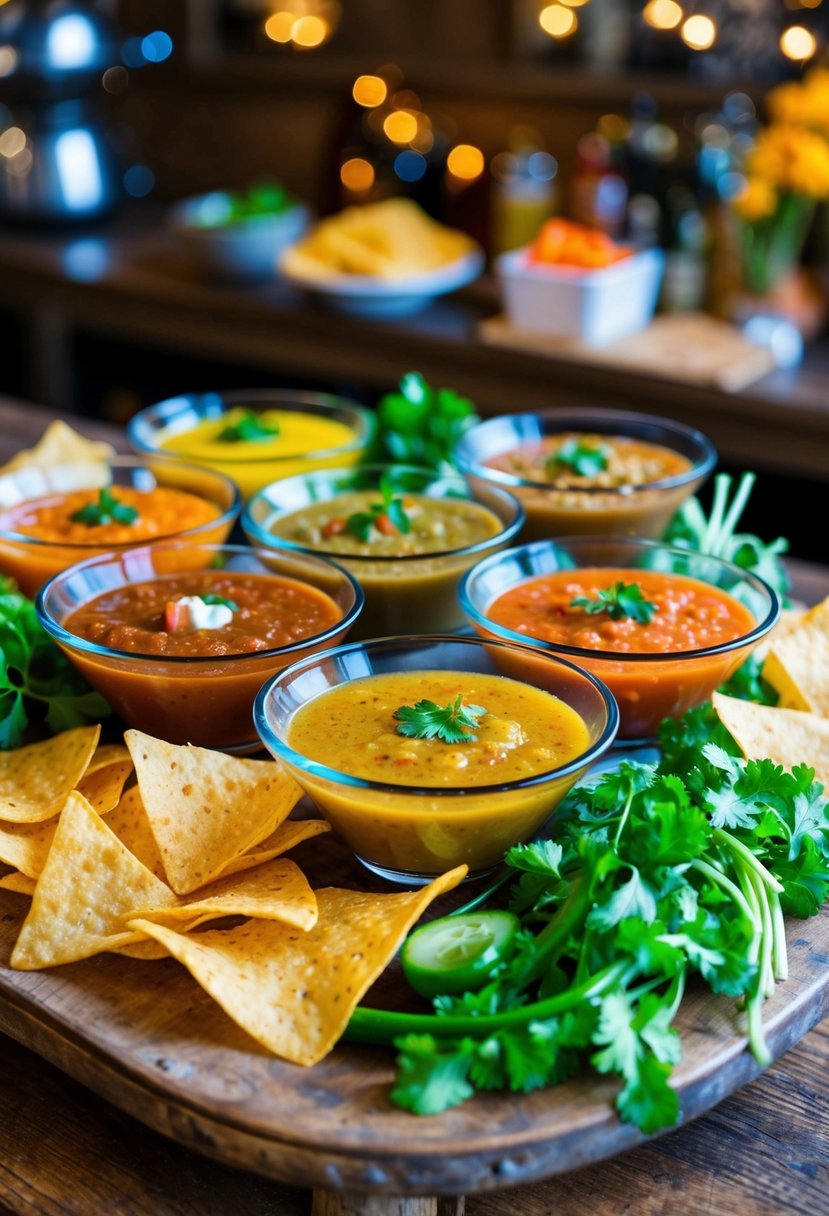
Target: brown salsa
{"x":268,"y":612}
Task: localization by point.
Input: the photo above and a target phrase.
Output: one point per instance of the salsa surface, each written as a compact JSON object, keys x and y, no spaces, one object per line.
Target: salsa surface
{"x":352,"y":728}
{"x":295,"y":434}
{"x":690,"y":615}
{"x":436,"y":525}
{"x":627,"y":462}
{"x":162,"y":511}
{"x":271,"y":611}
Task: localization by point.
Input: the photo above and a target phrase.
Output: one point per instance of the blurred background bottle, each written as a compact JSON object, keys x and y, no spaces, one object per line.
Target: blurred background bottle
{"x":524,"y":190}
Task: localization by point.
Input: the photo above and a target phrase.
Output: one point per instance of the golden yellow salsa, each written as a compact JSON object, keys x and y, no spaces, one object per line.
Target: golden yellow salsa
{"x":524,"y":732}
{"x":278,"y":443}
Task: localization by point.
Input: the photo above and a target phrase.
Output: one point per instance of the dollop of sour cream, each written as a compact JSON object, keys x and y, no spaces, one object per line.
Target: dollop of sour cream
{"x":191,"y":612}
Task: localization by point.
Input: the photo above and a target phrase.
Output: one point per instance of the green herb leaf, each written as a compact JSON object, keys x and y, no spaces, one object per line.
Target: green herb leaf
{"x":622,"y":601}
{"x":248,"y":427}
{"x":363,"y":523}
{"x":422,"y":425}
{"x":106,"y":510}
{"x":579,"y":458}
{"x":220,"y":599}
{"x":452,"y":723}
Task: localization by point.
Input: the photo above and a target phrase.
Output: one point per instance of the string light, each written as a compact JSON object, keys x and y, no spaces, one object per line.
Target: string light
{"x":369,"y":91}
{"x":699,"y":32}
{"x":465,"y":162}
{"x":400,"y":126}
{"x":798,"y":43}
{"x":357,"y":175}
{"x":663,"y":14}
{"x":558,"y":21}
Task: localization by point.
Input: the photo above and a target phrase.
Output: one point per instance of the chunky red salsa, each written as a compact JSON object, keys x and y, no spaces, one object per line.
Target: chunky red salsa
{"x":266,"y":612}
{"x":688,"y":615}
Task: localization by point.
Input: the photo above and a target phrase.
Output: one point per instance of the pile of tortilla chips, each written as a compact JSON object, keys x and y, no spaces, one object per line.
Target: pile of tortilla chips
{"x":131,"y":848}
{"x":59,"y":444}
{"x":796,"y":730}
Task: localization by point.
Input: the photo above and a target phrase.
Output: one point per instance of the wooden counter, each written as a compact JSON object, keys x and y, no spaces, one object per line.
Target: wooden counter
{"x":129,"y":281}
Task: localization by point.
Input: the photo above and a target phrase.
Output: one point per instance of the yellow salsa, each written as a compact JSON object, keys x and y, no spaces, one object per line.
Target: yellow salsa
{"x":253,"y":463}
{"x":352,"y":729}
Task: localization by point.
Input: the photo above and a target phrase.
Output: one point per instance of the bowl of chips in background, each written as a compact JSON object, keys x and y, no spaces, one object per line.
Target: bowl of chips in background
{"x":407,"y":832}
{"x":386,"y":259}
{"x":280,"y":432}
{"x":201,"y":697}
{"x":48,"y":512}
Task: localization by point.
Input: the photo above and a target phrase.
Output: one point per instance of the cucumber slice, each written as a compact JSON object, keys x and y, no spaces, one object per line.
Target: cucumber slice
{"x":457,"y":954}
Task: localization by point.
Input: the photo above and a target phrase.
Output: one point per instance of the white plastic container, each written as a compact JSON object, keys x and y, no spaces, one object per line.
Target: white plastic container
{"x":596,"y":307}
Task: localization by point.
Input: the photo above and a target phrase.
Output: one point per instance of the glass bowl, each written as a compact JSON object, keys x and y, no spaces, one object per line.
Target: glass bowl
{"x":339,"y":432}
{"x":644,"y":507}
{"x":31,"y":560}
{"x":408,"y":833}
{"x":416,"y":592}
{"x":204,"y":700}
{"x":648,"y":686}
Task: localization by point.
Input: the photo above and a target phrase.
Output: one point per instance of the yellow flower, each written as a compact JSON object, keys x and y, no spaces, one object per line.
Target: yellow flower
{"x":792,"y":159}
{"x":756,"y":200}
{"x":803,"y":103}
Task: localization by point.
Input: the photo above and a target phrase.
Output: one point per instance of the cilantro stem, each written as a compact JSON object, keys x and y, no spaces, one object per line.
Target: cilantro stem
{"x":781,"y":960}
{"x":756,"y":1036}
{"x":383,"y":1026}
{"x":766,"y":978}
{"x":721,"y":880}
{"x":745,"y":854}
{"x":736,"y":509}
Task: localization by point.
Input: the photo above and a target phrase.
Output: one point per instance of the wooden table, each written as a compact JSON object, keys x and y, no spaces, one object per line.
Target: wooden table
{"x":762,"y":1152}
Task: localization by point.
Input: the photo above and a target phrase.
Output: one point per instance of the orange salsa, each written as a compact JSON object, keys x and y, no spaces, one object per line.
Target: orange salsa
{"x":161,"y":511}
{"x":651,"y":668}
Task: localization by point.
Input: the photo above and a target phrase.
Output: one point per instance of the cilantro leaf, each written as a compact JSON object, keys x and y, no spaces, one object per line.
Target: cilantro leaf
{"x":422,"y":425}
{"x":220,"y":599}
{"x":634,"y":898}
{"x":580,"y":458}
{"x":108,"y":509}
{"x":622,"y":601}
{"x":432,"y":1078}
{"x":248,"y":427}
{"x":452,"y":723}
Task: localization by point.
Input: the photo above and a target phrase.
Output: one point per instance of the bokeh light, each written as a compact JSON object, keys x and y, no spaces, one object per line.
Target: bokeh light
{"x":558,"y":21}
{"x":663,"y":14}
{"x":699,"y":32}
{"x":369,"y":91}
{"x":116,"y":80}
{"x":139,"y":181}
{"x":12,"y":141}
{"x":410,"y":166}
{"x":279,"y":25}
{"x":465,"y":162}
{"x":798,"y":43}
{"x":309,"y":32}
{"x":400,"y":126}
{"x":8,"y":60}
{"x":357,"y":175}
{"x":157,"y":46}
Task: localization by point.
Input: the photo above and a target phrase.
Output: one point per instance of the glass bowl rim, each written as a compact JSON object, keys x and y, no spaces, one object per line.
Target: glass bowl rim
{"x":267,"y":539}
{"x":59,"y":633}
{"x":699,"y":469}
{"x":577,"y":653}
{"x":315,"y":768}
{"x":127,"y":461}
{"x":273,"y":398}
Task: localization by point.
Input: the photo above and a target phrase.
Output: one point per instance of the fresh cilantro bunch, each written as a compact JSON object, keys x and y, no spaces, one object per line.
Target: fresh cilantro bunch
{"x":653,"y":877}
{"x":421,"y":425}
{"x":716,"y":535}
{"x":37,"y":683}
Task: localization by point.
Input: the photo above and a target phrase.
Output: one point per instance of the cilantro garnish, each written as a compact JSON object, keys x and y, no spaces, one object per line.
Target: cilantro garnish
{"x":248,"y":428}
{"x":37,"y":683}
{"x":220,"y":599}
{"x":579,"y":458}
{"x":388,"y":516}
{"x":453,"y":723}
{"x":622,"y":601}
{"x":421,"y":425}
{"x":106,"y":510}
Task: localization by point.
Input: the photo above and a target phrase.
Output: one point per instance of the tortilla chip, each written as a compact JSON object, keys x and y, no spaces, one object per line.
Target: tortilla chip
{"x":294,"y":992}
{"x":90,"y":884}
{"x":103,"y":787}
{"x":786,"y":736}
{"x":59,"y":444}
{"x":130,"y":824}
{"x":286,"y":837}
{"x":18,"y":882}
{"x":205,"y":808}
{"x":797,"y":664}
{"x":35,"y":780}
{"x":277,"y":890}
{"x":26,"y":845}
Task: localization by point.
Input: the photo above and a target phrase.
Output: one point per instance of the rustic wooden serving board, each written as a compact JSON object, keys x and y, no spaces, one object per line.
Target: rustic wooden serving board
{"x":147,"y":1038}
